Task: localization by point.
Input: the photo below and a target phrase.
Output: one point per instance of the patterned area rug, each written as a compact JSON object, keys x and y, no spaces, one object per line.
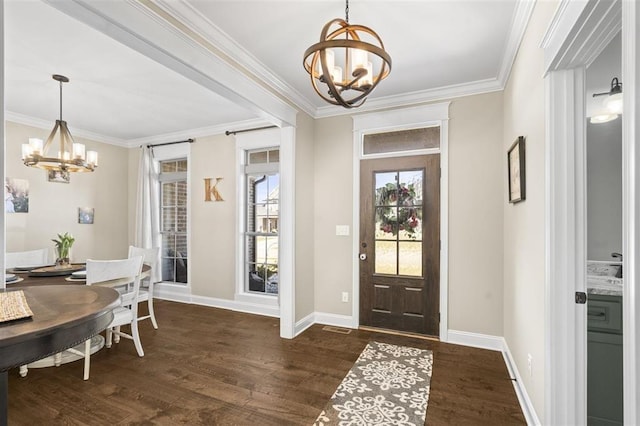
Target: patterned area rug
{"x":388,"y":385}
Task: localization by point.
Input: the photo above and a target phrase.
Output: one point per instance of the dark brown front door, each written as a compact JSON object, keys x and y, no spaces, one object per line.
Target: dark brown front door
{"x":400,"y":243}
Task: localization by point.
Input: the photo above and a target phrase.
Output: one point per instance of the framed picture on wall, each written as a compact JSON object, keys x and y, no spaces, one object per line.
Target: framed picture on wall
{"x":85,"y":215}
{"x":59,"y":176}
{"x":516,"y":170}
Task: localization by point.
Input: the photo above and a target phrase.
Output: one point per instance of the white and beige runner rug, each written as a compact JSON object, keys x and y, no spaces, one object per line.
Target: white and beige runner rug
{"x":388,"y":385}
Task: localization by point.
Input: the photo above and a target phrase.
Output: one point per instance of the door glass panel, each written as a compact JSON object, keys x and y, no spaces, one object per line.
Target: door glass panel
{"x":386,"y":260}
{"x":384,"y":227}
{"x":410,"y":258}
{"x":410,"y":223}
{"x":386,"y":185}
{"x":398,"y":222}
{"x":411,"y":188}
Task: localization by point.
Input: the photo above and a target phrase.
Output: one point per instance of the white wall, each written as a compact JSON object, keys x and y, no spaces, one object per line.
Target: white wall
{"x":53,"y":207}
{"x":2,"y":138}
{"x":524,"y":223}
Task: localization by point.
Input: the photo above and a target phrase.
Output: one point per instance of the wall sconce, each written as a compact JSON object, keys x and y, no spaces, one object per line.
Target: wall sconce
{"x":612,"y":103}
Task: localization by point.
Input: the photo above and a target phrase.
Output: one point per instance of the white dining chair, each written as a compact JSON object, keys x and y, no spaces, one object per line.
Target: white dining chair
{"x":126,"y":273}
{"x":150,"y":256}
{"x":28,"y":258}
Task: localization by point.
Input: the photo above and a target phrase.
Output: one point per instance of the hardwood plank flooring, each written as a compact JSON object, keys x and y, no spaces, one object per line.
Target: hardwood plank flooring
{"x":207,"y":366}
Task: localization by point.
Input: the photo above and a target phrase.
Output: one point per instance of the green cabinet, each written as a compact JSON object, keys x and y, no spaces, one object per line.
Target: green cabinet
{"x":604,"y":360}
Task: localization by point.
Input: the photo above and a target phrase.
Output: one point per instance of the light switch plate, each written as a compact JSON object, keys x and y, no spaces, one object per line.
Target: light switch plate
{"x":342,"y":230}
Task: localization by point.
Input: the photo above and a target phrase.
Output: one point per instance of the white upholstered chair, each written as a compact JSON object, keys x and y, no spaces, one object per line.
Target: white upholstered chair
{"x":150,"y":256}
{"x":28,"y":258}
{"x":127,"y":273}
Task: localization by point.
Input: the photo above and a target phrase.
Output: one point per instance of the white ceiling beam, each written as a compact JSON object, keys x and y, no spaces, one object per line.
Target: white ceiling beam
{"x":136,"y":26}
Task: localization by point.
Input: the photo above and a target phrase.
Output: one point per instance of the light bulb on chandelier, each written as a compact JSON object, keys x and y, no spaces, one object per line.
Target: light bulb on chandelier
{"x":71,"y":156}
{"x":349,"y":54}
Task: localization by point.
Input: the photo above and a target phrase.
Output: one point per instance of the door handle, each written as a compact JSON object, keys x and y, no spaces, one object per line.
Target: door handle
{"x":363,"y":256}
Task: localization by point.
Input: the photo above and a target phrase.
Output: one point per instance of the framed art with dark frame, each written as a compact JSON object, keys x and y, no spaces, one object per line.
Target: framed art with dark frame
{"x":516,"y":170}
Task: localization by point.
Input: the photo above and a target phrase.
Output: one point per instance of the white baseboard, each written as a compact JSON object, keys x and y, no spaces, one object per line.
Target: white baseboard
{"x":172,"y":292}
{"x":497,"y":343}
{"x":521,"y":392}
{"x":336,"y":320}
{"x":304,"y":323}
{"x":476,"y":340}
{"x":183,"y":295}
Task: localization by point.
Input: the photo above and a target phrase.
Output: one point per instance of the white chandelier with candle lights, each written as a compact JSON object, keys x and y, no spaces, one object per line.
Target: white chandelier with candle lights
{"x":71,"y":156}
{"x":347,"y":63}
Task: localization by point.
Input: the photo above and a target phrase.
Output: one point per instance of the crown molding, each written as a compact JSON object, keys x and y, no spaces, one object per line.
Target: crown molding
{"x":48,"y":125}
{"x":236,"y":54}
{"x":135,"y":143}
{"x":418,"y":97}
{"x":564,"y":41}
{"x":197,"y":133}
{"x":519,"y":22}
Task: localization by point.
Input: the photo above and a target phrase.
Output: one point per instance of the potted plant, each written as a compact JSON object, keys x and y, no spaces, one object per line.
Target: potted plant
{"x":63,"y":245}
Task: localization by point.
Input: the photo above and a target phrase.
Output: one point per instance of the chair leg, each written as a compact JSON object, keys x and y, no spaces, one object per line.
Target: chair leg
{"x":87,"y":358}
{"x":57,"y":359}
{"x":136,"y":338}
{"x":116,"y":337}
{"x":109,"y":338}
{"x":152,"y":313}
{"x":23,"y":370}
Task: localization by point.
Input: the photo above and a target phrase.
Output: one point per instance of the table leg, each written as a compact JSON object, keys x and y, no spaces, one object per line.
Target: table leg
{"x":4,"y":397}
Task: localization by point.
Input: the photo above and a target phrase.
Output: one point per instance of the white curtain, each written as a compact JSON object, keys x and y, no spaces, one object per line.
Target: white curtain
{"x":147,"y":230}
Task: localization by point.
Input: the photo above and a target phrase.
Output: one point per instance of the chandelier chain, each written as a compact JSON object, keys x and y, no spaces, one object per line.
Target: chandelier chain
{"x":346,"y":12}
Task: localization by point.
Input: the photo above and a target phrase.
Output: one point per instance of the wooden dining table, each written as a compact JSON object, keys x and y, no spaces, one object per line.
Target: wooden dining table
{"x":30,"y":279}
{"x":27,"y":278}
{"x":63,"y":316}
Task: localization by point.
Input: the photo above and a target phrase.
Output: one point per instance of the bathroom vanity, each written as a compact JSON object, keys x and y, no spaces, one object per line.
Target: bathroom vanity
{"x":604,"y":350}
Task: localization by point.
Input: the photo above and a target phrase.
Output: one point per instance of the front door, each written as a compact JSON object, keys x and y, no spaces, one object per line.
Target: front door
{"x":400,"y":243}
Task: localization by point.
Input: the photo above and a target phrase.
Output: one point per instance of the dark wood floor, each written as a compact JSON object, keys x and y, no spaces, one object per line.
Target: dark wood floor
{"x":212,"y":366}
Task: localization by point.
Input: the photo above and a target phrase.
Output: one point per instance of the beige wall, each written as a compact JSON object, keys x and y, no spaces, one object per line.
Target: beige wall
{"x":333,"y":206}
{"x":53,"y":207}
{"x":305,"y":208}
{"x":213,"y":243}
{"x":134,"y":163}
{"x":475,"y":214}
{"x":213,"y":223}
{"x":524,"y":224}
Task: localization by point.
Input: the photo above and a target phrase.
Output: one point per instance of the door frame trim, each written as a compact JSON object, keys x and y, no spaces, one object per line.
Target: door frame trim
{"x":404,"y":119}
{"x":577,"y":34}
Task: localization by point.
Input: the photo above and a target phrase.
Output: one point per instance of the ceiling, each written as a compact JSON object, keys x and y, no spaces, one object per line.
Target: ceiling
{"x":117,"y":94}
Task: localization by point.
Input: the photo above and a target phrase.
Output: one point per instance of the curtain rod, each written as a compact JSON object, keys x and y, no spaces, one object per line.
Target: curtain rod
{"x":168,"y":143}
{"x":233,"y":132}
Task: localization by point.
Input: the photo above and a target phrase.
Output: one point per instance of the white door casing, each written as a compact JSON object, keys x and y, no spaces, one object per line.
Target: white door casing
{"x":576,"y":36}
{"x":402,"y":119}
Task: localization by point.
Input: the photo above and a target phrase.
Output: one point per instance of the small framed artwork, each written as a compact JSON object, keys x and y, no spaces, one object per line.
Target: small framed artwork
{"x":16,"y":195}
{"x":516,"y":170}
{"x":59,"y":176}
{"x":85,"y":215}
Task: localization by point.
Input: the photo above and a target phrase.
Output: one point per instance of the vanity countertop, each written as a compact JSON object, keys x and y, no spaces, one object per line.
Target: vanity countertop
{"x":609,"y":286}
